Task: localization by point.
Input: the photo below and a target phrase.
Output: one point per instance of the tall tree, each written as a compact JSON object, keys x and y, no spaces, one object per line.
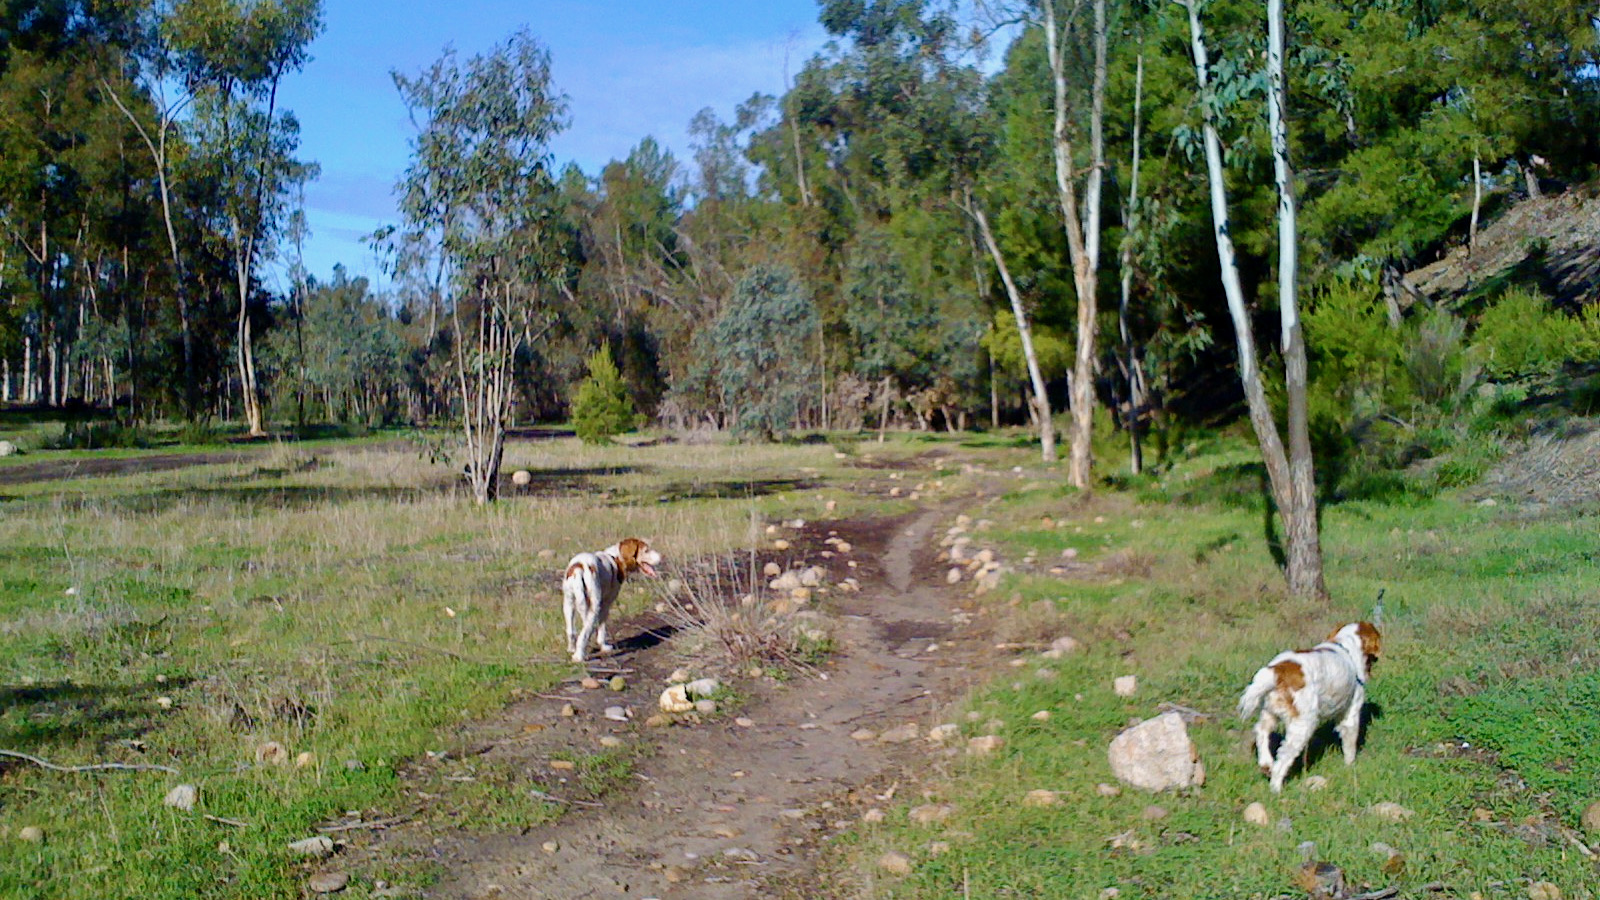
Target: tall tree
{"x":480,"y":192}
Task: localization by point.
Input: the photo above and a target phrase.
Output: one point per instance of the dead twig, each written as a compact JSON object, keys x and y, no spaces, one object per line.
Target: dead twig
{"x":96,"y":767}
{"x":375,"y":824}
{"x":221,"y":821}
{"x":537,"y":794}
{"x":1383,"y":894}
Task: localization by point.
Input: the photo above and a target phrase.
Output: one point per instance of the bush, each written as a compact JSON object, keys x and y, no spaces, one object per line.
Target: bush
{"x":601,"y":409}
{"x":98,"y":436}
{"x":1520,"y":336}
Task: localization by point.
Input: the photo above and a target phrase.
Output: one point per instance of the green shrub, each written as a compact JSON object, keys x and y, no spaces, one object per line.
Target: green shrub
{"x":602,"y":409}
{"x":1521,"y":335}
{"x":103,"y":435}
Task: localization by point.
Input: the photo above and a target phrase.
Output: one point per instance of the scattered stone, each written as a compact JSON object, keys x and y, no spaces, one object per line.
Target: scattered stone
{"x":7,"y":448}
{"x":901,"y":734}
{"x":182,"y":797}
{"x":1591,"y":818}
{"x":1322,"y":880}
{"x":831,"y":505}
{"x":705,"y":707}
{"x":813,"y":576}
{"x":931,"y":813}
{"x":1157,"y":755}
{"x":725,"y":831}
{"x":164,"y":702}
{"x":1153,"y":813}
{"x":33,"y":834}
{"x":522,"y":478}
{"x":304,"y":758}
{"x":895,"y":863}
{"x":590,"y":684}
{"x":656,"y":721}
{"x":953,"y":576}
{"x":1543,"y":890}
{"x":568,"y":711}
{"x":873,"y":816}
{"x":985,"y":745}
{"x":675,"y":874}
{"x":617,"y":683}
{"x":1316,"y":783}
{"x":702,"y":687}
{"x":863,"y":735}
{"x":1042,"y":715}
{"x":1256,"y":814}
{"x":675,"y":700}
{"x":780,"y":544}
{"x":741,"y":854}
{"x":843,"y":547}
{"x":1066,"y":644}
{"x":547,"y":553}
{"x":744,"y":722}
{"x":895,"y":492}
{"x":330,"y":882}
{"x":272,"y":753}
{"x":1390,"y":812}
{"x":354,"y":765}
{"x":1126,"y":685}
{"x":563,"y":765}
{"x":610,"y":742}
{"x":1041,"y":798}
{"x":938,"y":734}
{"x":1107,"y":790}
{"x":550,"y":846}
{"x":315,"y":847}
{"x":617,"y":713}
{"x":788,"y":581}
{"x":772,"y":570}
{"x":679,"y":676}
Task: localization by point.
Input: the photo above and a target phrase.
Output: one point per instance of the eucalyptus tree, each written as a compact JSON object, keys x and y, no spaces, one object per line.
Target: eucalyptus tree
{"x":479,"y":196}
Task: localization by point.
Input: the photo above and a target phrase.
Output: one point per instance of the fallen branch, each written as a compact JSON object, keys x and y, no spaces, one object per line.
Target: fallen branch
{"x":537,"y":794}
{"x":96,"y":767}
{"x":221,"y":821}
{"x":354,"y":826}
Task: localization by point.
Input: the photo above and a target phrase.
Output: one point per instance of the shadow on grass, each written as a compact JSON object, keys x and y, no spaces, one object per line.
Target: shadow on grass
{"x":1326,"y":741}
{"x":680,"y":491}
{"x":36,"y":717}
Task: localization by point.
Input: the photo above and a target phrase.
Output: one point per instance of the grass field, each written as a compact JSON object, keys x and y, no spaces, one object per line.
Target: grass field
{"x":348,"y":606}
{"x":1484,"y":706}
{"x":355,"y":606}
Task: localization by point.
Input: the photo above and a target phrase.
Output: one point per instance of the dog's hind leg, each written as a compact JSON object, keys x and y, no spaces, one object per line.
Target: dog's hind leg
{"x":568,"y":608}
{"x":1265,"y":725}
{"x":604,"y":638}
{"x":1295,"y":740}
{"x":1349,"y":728}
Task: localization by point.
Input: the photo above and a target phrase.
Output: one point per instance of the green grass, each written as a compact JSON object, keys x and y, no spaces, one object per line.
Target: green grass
{"x":357,"y":610}
{"x":1491,"y":678}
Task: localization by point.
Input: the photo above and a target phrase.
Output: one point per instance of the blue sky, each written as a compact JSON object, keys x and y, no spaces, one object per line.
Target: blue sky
{"x":630,"y":69}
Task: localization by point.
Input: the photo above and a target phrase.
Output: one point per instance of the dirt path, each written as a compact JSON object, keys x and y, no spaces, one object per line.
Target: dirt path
{"x":723,"y":811}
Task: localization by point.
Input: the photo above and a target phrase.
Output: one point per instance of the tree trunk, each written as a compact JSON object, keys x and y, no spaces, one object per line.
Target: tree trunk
{"x":1477,"y":203}
{"x":250,"y":397}
{"x":1301,"y":543}
{"x":1083,"y":234}
{"x":883,"y":415}
{"x":1530,"y":178}
{"x":1131,"y":219}
{"x":1041,"y":400}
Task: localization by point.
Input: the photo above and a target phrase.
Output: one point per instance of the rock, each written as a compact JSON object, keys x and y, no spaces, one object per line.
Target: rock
{"x":547,"y":553}
{"x":953,"y":576}
{"x":727,"y":832}
{"x":272,"y":753}
{"x":315,"y":847}
{"x":182,"y":797}
{"x":304,"y":758}
{"x":985,"y":745}
{"x":772,"y":570}
{"x":1322,"y":880}
{"x":610,"y":742}
{"x":1153,"y":813}
{"x":1041,"y":798}
{"x":329,"y":882}
{"x":617,"y":713}
{"x":873,"y":816}
{"x":938,"y":848}
{"x":590,"y":684}
{"x":675,"y":700}
{"x":1066,"y":644}
{"x":679,"y":676}
{"x":522,"y":478}
{"x":1107,"y":790}
{"x":1126,"y":685}
{"x":657,"y":721}
{"x":33,"y":834}
{"x":568,"y":711}
{"x":813,"y":576}
{"x":1042,"y":715}
{"x":931,"y":813}
{"x":1256,"y":814}
{"x":1591,"y":818}
{"x":550,"y":846}
{"x":788,"y":581}
{"x":1315,"y":783}
{"x":901,"y":734}
{"x":563,"y":765}
{"x":780,"y":544}
{"x":895,"y":863}
{"x":1389,"y":812}
{"x":702,"y":687}
{"x":863,"y":735}
{"x":354,"y":765}
{"x":843,"y":547}
{"x":938,"y":734}
{"x":705,"y":707}
{"x":164,"y":702}
{"x":831,"y":505}
{"x":744,"y":722}
{"x":1543,"y":890}
{"x":895,"y":492}
{"x":7,"y":449}
{"x":1157,"y":755}
{"x":617,"y":683}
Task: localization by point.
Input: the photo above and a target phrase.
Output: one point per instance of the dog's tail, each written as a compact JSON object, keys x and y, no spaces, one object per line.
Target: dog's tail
{"x":1256,"y":694}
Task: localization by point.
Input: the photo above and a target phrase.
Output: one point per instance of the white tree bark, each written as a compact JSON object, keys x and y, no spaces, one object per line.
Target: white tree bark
{"x":1041,"y":401}
{"x":1131,"y":220}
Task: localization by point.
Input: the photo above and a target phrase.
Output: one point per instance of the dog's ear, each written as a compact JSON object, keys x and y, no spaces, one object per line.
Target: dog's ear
{"x":1371,"y":640}
{"x":630,"y":553}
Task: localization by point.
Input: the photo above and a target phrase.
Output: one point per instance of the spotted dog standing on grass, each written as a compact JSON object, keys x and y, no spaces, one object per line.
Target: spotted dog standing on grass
{"x":591,"y":585}
{"x":1304,"y":688}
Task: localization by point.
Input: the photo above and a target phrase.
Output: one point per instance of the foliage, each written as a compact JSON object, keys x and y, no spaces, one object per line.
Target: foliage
{"x":759,"y":353}
{"x":1519,"y":335}
{"x":601,"y":409}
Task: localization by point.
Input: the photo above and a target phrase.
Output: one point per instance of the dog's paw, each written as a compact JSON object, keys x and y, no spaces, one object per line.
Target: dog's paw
{"x":578,"y":658}
{"x":607,"y":649}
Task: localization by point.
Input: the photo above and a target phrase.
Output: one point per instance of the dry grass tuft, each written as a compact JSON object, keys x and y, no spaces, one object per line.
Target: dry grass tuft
{"x":720,"y":621}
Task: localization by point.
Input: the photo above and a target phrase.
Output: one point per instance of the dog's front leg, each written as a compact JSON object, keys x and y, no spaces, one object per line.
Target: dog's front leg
{"x":1265,"y":725}
{"x":567,"y":611}
{"x":605,"y":639}
{"x":1295,"y":740}
{"x":1349,"y":727}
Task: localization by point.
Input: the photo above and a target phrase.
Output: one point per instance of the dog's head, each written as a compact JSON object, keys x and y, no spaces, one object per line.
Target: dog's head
{"x":1363,"y":638}
{"x":635,"y":555}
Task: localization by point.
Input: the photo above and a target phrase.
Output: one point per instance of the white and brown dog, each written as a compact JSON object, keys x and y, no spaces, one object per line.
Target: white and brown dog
{"x":1305,"y":688}
{"x":591,"y":586}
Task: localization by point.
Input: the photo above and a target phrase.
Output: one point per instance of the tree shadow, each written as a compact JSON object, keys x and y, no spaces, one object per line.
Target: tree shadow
{"x":1326,"y":741}
{"x":677,"y":492}
{"x":36,"y":717}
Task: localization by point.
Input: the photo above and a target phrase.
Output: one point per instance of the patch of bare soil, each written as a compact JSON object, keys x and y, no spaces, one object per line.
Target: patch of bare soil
{"x":61,"y":469}
{"x":720,"y":809}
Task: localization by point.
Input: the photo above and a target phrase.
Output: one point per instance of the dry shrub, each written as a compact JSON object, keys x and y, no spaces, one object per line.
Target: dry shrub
{"x":1127,"y":564}
{"x":279,"y":702}
{"x":721,"y":622}
{"x":1037,"y":623}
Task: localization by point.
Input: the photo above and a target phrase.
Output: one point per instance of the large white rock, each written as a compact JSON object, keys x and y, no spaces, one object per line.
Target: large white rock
{"x":1157,"y":755}
{"x":7,"y":448}
{"x":675,"y":699}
